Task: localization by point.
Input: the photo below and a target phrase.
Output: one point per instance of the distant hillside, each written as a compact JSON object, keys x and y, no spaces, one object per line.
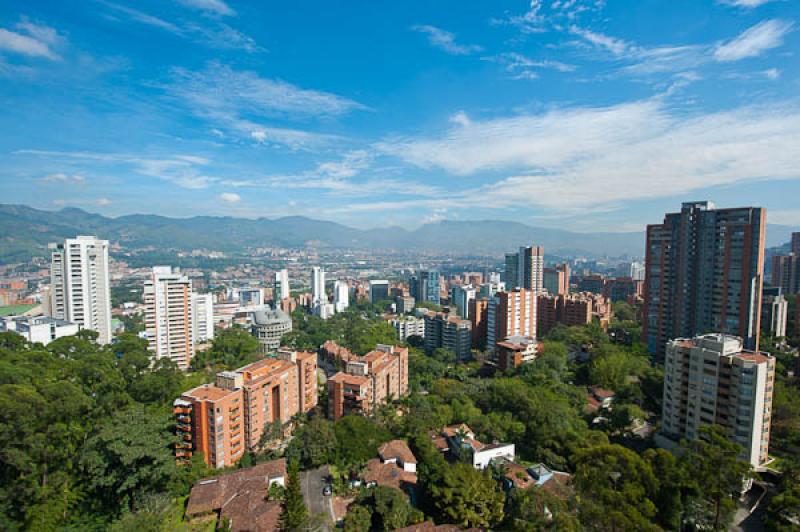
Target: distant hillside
{"x":25,"y":231}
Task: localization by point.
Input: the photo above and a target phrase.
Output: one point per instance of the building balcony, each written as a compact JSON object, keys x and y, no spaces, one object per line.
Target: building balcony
{"x":184,"y":428}
{"x":182,"y":410}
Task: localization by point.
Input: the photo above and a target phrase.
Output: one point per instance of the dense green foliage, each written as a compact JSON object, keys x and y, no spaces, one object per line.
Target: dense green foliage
{"x":294,"y":514}
{"x":230,"y":349}
{"x":381,"y":508}
{"x":358,"y":329}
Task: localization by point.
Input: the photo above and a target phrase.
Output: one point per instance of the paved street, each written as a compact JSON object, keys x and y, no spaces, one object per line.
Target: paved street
{"x":312,"y":483}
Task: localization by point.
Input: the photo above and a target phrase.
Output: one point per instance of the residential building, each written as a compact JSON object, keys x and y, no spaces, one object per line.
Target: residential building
{"x":280,"y":288}
{"x":488,"y":290}
{"x":478,"y":314}
{"x":38,"y":329}
{"x":79,"y":284}
{"x":268,"y":326}
{"x":378,"y":291}
{"x":578,"y":308}
{"x":425,"y":286}
{"x":405,"y":304}
{"x":250,"y":297}
{"x":168,"y":313}
{"x":225,"y":419}
{"x":594,"y":283}
{"x":448,"y":332}
{"x":710,"y":379}
{"x":459,"y":441}
{"x":786,"y":272}
{"x":525,"y":269}
{"x":396,"y":467}
{"x":795,"y":243}
{"x":341,"y":296}
{"x":775,"y":311}
{"x":367,"y":382}
{"x":202,"y":317}
{"x":511,"y":313}
{"x":556,"y":279}
{"x":406,"y":326}
{"x":623,"y":289}
{"x":515,"y":351}
{"x":460,"y":296}
{"x":704,"y":272}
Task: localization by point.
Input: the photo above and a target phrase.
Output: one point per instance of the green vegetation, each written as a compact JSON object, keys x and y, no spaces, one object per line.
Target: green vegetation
{"x":383,"y":509}
{"x":356,"y":329}
{"x":230,"y":349}
{"x":294,"y":515}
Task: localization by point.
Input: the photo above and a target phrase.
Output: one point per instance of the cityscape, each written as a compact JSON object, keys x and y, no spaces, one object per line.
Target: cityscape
{"x":486,"y":328}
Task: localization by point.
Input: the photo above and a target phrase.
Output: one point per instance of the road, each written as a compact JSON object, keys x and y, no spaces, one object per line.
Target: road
{"x":312,"y":483}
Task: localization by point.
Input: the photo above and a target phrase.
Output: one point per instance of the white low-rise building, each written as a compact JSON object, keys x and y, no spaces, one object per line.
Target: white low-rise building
{"x":41,"y":329}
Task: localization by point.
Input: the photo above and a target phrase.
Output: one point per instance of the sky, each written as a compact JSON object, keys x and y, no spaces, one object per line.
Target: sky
{"x":587,"y":115}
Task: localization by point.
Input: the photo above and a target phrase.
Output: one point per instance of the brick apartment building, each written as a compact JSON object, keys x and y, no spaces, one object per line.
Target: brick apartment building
{"x":571,"y":309}
{"x":227,"y":418}
{"x":369,"y":381}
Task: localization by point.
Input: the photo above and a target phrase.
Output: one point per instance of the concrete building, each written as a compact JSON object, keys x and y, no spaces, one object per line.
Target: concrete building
{"x":367,"y":382}
{"x":250,"y":297}
{"x":341,"y":296}
{"x":460,"y":296}
{"x":556,"y":279}
{"x":478,"y":315}
{"x":268,"y":326}
{"x":488,"y":290}
{"x":79,"y":284}
{"x":280,"y":287}
{"x":448,"y":332}
{"x":786,"y":272}
{"x":515,"y":351}
{"x":168,"y":314}
{"x":594,"y":283}
{"x":525,"y":269}
{"x":225,"y":419}
{"x":775,"y":311}
{"x":406,"y":326}
{"x":405,"y":304}
{"x":41,"y":329}
{"x":425,"y":286}
{"x":202,"y":317}
{"x":378,"y":290}
{"x":704,"y":272}
{"x":623,"y":289}
{"x":511,"y":313}
{"x":709,"y":380}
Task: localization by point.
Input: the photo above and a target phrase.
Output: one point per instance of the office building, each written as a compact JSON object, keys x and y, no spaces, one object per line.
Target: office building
{"x":448,"y":332}
{"x":556,"y":279}
{"x":268,"y":326}
{"x":709,"y":380}
{"x":38,"y":329}
{"x":704,"y":272}
{"x":79,"y":284}
{"x":367,"y":382}
{"x":525,"y":269}
{"x":280,"y":288}
{"x":511,"y":313}
{"x":202,"y":317}
{"x":406,"y":326}
{"x":341,"y":296}
{"x":460,"y":296}
{"x":228,"y":418}
{"x":250,"y":297}
{"x":378,"y":291}
{"x":786,"y":272}
{"x":168,"y":313}
{"x":426,"y":286}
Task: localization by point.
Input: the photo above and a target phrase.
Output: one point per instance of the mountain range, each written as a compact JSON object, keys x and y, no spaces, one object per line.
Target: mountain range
{"x":25,"y":231}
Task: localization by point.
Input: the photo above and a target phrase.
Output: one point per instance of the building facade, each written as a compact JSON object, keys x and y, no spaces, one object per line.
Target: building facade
{"x":280,"y":287}
{"x":425,"y":286}
{"x":704,"y":272}
{"x":168,"y":316}
{"x":448,"y":332}
{"x":341,"y":296}
{"x":511,"y":313}
{"x":525,"y":269}
{"x":202,"y":317}
{"x":461,"y":296}
{"x":556,"y":279}
{"x":406,"y":326}
{"x":786,"y":272}
{"x":38,"y":329}
{"x":579,"y":308}
{"x":79,"y":284}
{"x":378,"y":290}
{"x":269,"y":326}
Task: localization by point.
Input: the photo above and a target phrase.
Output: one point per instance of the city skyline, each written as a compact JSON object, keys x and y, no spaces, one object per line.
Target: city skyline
{"x":580,"y":115}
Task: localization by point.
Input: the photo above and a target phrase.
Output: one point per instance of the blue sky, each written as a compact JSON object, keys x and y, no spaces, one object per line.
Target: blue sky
{"x":580,"y":114}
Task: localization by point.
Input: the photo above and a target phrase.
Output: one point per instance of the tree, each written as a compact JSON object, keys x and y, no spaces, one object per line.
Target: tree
{"x":230,"y":348}
{"x":358,"y":519}
{"x":388,"y":507}
{"x":294,"y":515}
{"x":357,"y":439}
{"x":534,"y":509}
{"x":314,"y":444}
{"x":468,"y":497}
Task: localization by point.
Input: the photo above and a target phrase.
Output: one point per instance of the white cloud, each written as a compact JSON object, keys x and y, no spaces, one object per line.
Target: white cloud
{"x":217,"y":7}
{"x":230,"y":197}
{"x":617,"y":47}
{"x":772,"y":73}
{"x":32,"y":40}
{"x":446,"y":41}
{"x":59,"y":177}
{"x":542,"y":14}
{"x":145,"y":18}
{"x":746,"y":4}
{"x":578,"y":158}
{"x":753,"y":41}
{"x":460,"y":118}
{"x":99,"y":202}
{"x":522,"y":67}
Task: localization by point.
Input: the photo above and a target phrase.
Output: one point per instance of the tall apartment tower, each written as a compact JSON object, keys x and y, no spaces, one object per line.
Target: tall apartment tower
{"x":511,"y":313}
{"x":318,"y":295}
{"x":786,"y":272}
{"x":703,"y":273}
{"x":281,"y":286}
{"x":79,"y":280}
{"x":461,"y":295}
{"x":202,"y":317}
{"x":525,"y":269}
{"x":556,"y":280}
{"x":425,"y":286}
{"x":341,"y":296}
{"x":168,"y":315}
{"x":796,"y":243}
{"x":709,"y":380}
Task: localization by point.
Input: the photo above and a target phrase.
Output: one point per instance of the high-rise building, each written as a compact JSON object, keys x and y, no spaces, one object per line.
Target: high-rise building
{"x":404,"y":304}
{"x":711,"y":380}
{"x":775,"y":314}
{"x":269,"y":326}
{"x":228,"y":418}
{"x":168,"y":313}
{"x":704,"y":272}
{"x":478,"y":316}
{"x":525,"y":269}
{"x":460,"y":296}
{"x":406,"y":326}
{"x":425,"y":286}
{"x":786,"y":272}
{"x":795,"y":245}
{"x":79,"y":278}
{"x":341,"y":295}
{"x":556,"y":279}
{"x":318,"y":295}
{"x":280,"y":289}
{"x":202,"y":317}
{"x":378,"y":291}
{"x":448,"y":332}
{"x":251,"y":297}
{"x":510,"y":313}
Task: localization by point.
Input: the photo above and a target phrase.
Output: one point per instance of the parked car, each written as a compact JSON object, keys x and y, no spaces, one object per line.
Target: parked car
{"x":327,"y":490}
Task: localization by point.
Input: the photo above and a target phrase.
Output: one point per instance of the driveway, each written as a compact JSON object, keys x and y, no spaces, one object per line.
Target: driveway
{"x":312,"y":483}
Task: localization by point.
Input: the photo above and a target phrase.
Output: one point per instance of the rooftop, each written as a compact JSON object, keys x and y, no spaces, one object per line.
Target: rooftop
{"x":397,"y":449}
{"x":208,"y":392}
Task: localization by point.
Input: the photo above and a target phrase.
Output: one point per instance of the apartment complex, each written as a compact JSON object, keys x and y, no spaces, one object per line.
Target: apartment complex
{"x":511,"y":313}
{"x":515,"y":351}
{"x":225,"y":419}
{"x":710,"y":379}
{"x":341,"y":296}
{"x":79,"y":284}
{"x":168,"y":316}
{"x":461,"y":296}
{"x":478,"y":316}
{"x":425,"y":286}
{"x":556,"y":280}
{"x":369,"y":381}
{"x":448,"y":332}
{"x":786,"y":272}
{"x":571,"y":309}
{"x":525,"y":269}
{"x":203,"y":317}
{"x":405,"y":326}
{"x":280,"y":287}
{"x":704,"y":272}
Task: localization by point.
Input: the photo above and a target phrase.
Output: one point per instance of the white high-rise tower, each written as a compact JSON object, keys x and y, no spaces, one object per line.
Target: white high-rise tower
{"x":168,"y":315}
{"x":281,"y":287}
{"x":318,"y":296}
{"x":341,"y":296}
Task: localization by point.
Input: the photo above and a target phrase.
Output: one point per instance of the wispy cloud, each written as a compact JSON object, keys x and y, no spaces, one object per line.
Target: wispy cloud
{"x":99,"y":202}
{"x":754,"y":41}
{"x":68,"y":179}
{"x":230,"y":197}
{"x":30,"y":39}
{"x":542,"y":14}
{"x":519,"y":66}
{"x":446,"y":41}
{"x":144,"y":18}
{"x":217,"y":7}
{"x":746,"y":4}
